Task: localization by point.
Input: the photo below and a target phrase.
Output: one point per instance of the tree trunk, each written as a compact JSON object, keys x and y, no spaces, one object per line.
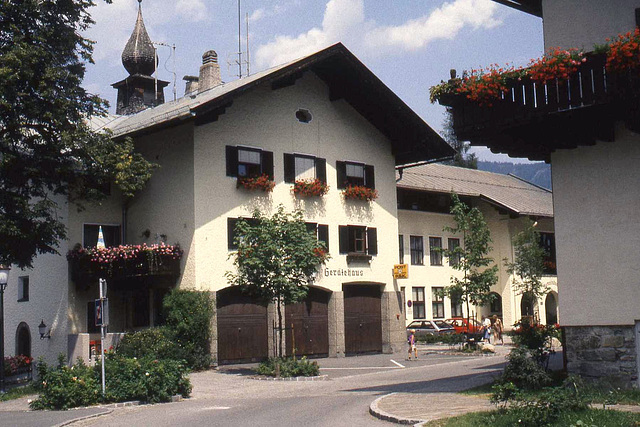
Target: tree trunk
{"x":280,"y":352}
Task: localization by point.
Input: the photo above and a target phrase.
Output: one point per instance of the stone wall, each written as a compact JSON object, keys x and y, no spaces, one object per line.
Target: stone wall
{"x":602,"y":352}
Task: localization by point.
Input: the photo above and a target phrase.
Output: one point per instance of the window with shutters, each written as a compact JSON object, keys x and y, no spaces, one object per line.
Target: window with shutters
{"x":355,"y":174}
{"x":247,"y":162}
{"x":302,"y":167}
{"x":358,"y":242}
{"x":321,"y":231}
{"x":232,"y":244}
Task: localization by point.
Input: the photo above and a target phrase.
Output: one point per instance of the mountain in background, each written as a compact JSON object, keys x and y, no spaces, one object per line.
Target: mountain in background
{"x":538,"y":173}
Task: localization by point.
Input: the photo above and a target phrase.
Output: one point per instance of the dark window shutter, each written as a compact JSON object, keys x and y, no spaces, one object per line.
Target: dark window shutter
{"x":232,"y":161}
{"x":267,"y":163}
{"x":323,"y":234}
{"x":289,"y":167}
{"x":372,"y":241}
{"x":344,"y":239}
{"x":369,"y":177}
{"x":231,"y":233}
{"x":321,"y":170}
{"x":341,"y":168}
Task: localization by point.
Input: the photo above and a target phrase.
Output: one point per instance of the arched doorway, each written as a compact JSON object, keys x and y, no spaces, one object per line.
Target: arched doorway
{"x":362,"y":318}
{"x":307,"y":324}
{"x":527,"y":305}
{"x":23,"y":340}
{"x":496,"y":304}
{"x":551,"y":308}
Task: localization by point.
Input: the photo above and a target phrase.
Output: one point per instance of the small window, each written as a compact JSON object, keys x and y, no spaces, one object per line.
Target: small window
{"x":23,"y":289}
{"x":246,"y":162}
{"x":454,"y":259}
{"x":110,"y":234}
{"x":401,"y":246}
{"x":435,"y":246}
{"x":355,"y":174}
{"x":417,"y":250}
{"x":437,"y":303}
{"x":304,"y":116}
{"x":418,"y":303}
{"x":358,"y":240}
{"x":231,"y":231}
{"x":299,"y":167}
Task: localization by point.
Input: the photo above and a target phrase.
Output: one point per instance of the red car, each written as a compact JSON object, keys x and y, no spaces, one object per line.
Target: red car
{"x":465,"y":326}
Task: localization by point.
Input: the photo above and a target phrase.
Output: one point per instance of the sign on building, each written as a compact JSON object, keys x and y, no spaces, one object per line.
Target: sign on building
{"x":401,"y":271}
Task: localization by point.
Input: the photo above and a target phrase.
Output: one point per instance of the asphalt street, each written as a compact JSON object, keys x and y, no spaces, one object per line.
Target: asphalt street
{"x":228,"y":397}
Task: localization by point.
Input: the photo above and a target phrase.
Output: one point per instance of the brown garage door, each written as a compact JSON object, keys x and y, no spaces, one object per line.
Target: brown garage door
{"x":362,"y":318}
{"x":307,"y":324}
{"x":242,"y":328}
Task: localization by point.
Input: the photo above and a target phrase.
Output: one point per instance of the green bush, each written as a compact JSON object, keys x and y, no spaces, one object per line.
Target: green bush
{"x":188,"y":319}
{"x":149,"y":380}
{"x":524,"y":371}
{"x":154,"y":343}
{"x":535,"y":337}
{"x":451,"y":339}
{"x":64,"y":387}
{"x":289,"y":367}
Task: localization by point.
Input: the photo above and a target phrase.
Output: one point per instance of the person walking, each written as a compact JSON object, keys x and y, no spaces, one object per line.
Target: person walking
{"x":412,"y":344}
{"x":496,"y":330}
{"x":486,"y":323}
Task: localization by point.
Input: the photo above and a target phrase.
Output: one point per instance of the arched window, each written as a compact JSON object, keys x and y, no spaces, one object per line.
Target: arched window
{"x":496,"y":303}
{"x":551,"y":308}
{"x":23,"y":340}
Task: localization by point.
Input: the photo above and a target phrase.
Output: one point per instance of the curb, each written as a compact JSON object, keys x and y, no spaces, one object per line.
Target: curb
{"x":86,"y":417}
{"x":296,"y":379}
{"x":385,"y":416}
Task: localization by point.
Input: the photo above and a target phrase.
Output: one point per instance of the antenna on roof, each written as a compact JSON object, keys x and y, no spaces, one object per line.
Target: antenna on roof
{"x":173,"y":56}
{"x":239,"y":62}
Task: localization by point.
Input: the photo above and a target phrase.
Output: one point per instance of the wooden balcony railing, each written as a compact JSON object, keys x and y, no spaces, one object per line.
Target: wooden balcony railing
{"x":527,"y":101}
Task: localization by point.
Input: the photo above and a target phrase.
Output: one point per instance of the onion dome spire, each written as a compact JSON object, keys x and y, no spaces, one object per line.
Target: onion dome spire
{"x":138,"y":55}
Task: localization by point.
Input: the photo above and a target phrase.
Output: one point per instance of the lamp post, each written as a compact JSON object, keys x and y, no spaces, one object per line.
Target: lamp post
{"x":4,"y":279}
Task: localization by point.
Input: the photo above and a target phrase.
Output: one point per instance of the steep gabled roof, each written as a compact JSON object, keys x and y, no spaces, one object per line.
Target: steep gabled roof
{"x":347,"y":78}
{"x":505,"y":191}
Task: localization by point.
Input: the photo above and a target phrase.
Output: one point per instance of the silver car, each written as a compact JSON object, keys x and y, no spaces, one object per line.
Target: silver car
{"x":430,"y":327}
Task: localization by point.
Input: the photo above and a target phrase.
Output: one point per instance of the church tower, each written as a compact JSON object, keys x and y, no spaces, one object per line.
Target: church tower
{"x":139,"y":91}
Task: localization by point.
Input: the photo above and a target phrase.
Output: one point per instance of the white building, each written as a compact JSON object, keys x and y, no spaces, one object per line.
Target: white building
{"x":507,"y":203}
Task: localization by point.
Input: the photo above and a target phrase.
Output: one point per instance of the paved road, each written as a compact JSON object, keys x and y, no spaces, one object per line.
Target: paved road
{"x":226,"y":397}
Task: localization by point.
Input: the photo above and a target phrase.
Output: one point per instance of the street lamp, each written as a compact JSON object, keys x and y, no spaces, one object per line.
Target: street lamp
{"x":42,"y":328}
{"x":4,"y":279}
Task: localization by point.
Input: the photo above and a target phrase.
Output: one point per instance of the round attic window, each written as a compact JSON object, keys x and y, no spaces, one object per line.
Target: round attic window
{"x":303,"y":116}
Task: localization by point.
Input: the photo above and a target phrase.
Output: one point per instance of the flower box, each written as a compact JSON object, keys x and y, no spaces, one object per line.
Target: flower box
{"x":124,"y":261}
{"x":310,"y":188}
{"x":262,"y":183}
{"x":359,"y":192}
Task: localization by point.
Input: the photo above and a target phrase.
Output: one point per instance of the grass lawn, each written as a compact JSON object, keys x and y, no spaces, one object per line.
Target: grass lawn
{"x":590,"y":417}
{"x":18,"y":392}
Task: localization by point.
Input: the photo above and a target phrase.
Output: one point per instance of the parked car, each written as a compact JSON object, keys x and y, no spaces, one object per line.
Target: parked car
{"x":430,"y":327}
{"x":465,"y":326}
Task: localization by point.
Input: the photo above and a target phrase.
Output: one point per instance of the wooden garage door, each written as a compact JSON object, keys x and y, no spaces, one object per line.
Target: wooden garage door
{"x":242,"y":328}
{"x":362,"y":319}
{"x":307,"y":324}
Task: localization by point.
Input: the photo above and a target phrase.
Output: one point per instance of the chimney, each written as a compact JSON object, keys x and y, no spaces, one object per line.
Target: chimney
{"x":191,"y":85}
{"x":209,"y":71}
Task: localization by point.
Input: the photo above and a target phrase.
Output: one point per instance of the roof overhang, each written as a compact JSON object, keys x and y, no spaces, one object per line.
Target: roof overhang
{"x":533,"y":7}
{"x":412,"y":138}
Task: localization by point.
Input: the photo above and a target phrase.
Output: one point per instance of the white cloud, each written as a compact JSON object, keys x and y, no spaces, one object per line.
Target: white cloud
{"x":257,"y":15}
{"x":192,"y":10}
{"x":344,"y":20}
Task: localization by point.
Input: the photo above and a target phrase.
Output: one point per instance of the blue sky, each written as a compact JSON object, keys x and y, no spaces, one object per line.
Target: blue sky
{"x":409,"y":44}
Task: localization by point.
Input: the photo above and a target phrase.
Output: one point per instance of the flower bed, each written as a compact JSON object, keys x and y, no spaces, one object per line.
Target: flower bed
{"x":310,"y":188}
{"x":15,"y":365}
{"x":262,"y":182}
{"x":125,"y":260}
{"x":359,"y":192}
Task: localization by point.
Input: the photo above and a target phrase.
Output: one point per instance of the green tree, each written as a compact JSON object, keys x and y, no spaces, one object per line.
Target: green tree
{"x":471,"y":257}
{"x":462,"y":158}
{"x":276,"y":259}
{"x":47,"y":148}
{"x":528,"y":264}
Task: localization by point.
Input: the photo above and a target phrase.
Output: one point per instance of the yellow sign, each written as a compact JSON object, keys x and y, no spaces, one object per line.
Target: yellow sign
{"x":401,"y":271}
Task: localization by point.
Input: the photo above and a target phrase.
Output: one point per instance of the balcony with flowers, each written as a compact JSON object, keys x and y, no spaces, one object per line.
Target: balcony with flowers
{"x":565,"y":99}
{"x":360,"y":192}
{"x":310,"y":188}
{"x":124,"y":262}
